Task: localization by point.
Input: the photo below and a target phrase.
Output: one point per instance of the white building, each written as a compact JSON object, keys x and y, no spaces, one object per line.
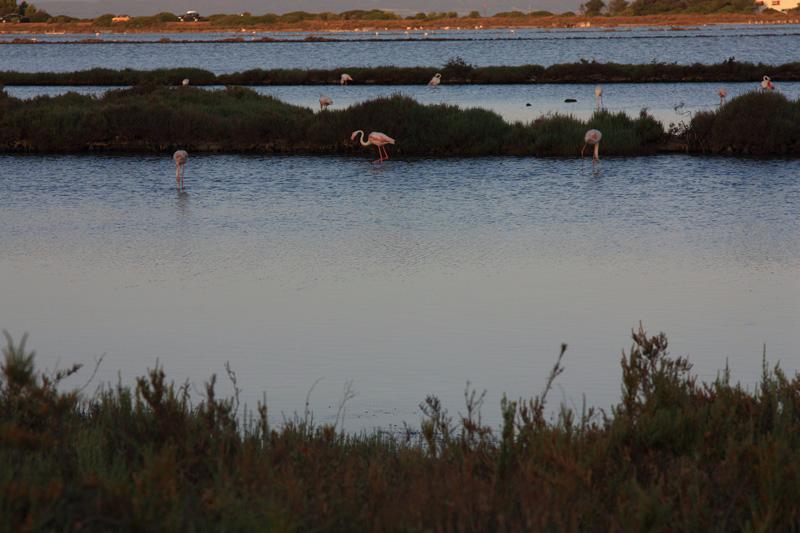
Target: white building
{"x":779,"y":5}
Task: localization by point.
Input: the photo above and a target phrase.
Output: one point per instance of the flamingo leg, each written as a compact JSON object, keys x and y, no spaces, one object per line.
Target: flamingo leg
{"x":583,"y":150}
{"x":385,"y":153}
{"x":596,"y":153}
{"x":380,"y":155}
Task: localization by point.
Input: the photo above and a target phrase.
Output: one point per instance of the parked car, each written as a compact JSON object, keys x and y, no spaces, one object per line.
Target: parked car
{"x":190,"y":16}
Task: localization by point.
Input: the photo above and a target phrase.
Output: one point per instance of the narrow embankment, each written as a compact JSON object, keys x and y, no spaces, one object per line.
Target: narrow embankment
{"x":454,"y":72}
{"x":235,"y":119}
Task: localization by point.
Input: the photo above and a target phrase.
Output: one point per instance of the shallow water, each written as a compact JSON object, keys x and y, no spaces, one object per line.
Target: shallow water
{"x":408,"y":278}
{"x":710,"y":44}
{"x":667,"y":102}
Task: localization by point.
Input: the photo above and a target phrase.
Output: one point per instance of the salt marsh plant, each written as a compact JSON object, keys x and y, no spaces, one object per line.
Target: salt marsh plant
{"x":673,"y":454}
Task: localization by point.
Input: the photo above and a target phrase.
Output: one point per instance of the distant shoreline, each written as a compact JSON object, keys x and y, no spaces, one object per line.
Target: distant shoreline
{"x":678,"y":21}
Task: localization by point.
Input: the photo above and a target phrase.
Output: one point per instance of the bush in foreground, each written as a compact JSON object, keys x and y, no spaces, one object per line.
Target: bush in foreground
{"x":673,"y":454}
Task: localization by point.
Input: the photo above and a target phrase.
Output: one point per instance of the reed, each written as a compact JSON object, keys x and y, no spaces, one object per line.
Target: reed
{"x":672,"y":454}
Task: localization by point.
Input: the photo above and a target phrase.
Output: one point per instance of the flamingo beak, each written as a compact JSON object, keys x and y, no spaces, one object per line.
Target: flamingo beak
{"x":353,"y":136}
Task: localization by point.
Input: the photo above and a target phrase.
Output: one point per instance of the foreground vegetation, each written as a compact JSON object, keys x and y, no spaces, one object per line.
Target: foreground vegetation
{"x":673,"y":454}
{"x":454,"y":72}
{"x":148,"y":118}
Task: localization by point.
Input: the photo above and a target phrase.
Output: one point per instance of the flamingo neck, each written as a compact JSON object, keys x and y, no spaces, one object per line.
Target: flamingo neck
{"x":363,"y":143}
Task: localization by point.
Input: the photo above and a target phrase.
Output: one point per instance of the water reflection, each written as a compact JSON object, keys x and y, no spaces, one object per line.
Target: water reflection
{"x":409,"y":277}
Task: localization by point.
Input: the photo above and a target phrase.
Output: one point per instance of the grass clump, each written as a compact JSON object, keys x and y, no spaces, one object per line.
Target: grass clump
{"x":672,"y":454}
{"x":756,"y":123}
{"x":150,"y":118}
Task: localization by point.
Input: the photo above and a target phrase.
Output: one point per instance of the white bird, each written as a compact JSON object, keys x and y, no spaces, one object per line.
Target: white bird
{"x":185,"y":82}
{"x":722,"y":95}
{"x":592,"y":138}
{"x":324,"y":101}
{"x":436,"y":80}
{"x":345,"y":79}
{"x":766,"y":83}
{"x":598,"y":97}
{"x":180,"y":157}
{"x":376,"y":139}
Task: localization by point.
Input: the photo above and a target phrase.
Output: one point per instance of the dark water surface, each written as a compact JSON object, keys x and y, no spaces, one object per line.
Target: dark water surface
{"x":408,"y":278}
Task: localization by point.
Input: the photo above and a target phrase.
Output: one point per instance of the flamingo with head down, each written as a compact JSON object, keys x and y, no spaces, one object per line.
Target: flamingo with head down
{"x":345,"y":79}
{"x":592,"y":138}
{"x":377,"y":139}
{"x":723,"y":94}
{"x":180,"y":157}
{"x":324,"y":102}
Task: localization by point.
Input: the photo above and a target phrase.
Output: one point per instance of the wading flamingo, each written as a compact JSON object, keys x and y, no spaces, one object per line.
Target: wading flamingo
{"x":723,"y":94}
{"x":180,"y":157}
{"x":766,"y":83}
{"x":324,"y":101}
{"x":345,"y":79}
{"x":436,"y":80}
{"x":376,"y":139}
{"x":185,"y":82}
{"x":592,"y":137}
{"x":598,"y":98}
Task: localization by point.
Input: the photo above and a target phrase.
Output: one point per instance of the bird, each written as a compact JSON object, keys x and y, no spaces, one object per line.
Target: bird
{"x":180,"y":157}
{"x":185,"y":82}
{"x":598,"y":97}
{"x":324,"y":101}
{"x":376,"y":139}
{"x":436,"y":80}
{"x":592,"y":137}
{"x":345,"y":79}
{"x":766,"y":83}
{"x":723,"y":94}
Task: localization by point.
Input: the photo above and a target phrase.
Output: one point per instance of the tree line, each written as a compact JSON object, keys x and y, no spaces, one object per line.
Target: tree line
{"x":654,"y":7}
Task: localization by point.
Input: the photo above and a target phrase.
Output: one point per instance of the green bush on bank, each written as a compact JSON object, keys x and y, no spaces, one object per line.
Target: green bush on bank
{"x":672,"y":454}
{"x":152,"y":118}
{"x":756,"y":123}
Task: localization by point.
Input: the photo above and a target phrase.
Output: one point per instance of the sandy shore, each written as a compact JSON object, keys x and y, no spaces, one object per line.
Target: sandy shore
{"x":677,"y":22}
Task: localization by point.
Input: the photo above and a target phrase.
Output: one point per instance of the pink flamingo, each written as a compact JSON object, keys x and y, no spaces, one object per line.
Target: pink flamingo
{"x":376,"y":139}
{"x":436,"y":80}
{"x":345,"y":79}
{"x":324,"y":102}
{"x":766,"y":83}
{"x":180,"y":157}
{"x":592,"y":137}
{"x":723,"y":94}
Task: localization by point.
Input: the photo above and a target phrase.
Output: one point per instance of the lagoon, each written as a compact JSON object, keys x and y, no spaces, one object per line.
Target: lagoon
{"x":409,"y":278}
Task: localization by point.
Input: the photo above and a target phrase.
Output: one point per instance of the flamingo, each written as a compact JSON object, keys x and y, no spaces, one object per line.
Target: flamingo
{"x":766,"y":83}
{"x":324,"y":101}
{"x":185,"y":82}
{"x":723,"y":94}
{"x":345,"y":79}
{"x":598,"y":97}
{"x":376,"y":139}
{"x":180,"y":157}
{"x":592,"y":137}
{"x":436,"y":80}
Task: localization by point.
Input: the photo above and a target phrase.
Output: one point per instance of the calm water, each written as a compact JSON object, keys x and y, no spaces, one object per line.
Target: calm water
{"x":409,"y":278}
{"x":668,"y":102}
{"x":481,"y":47}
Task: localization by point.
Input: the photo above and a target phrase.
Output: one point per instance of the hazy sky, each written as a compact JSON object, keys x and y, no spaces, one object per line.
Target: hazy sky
{"x":89,"y":8}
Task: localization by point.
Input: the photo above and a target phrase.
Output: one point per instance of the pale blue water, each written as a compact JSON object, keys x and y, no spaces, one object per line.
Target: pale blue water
{"x":770,"y":44}
{"x":408,"y":278}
